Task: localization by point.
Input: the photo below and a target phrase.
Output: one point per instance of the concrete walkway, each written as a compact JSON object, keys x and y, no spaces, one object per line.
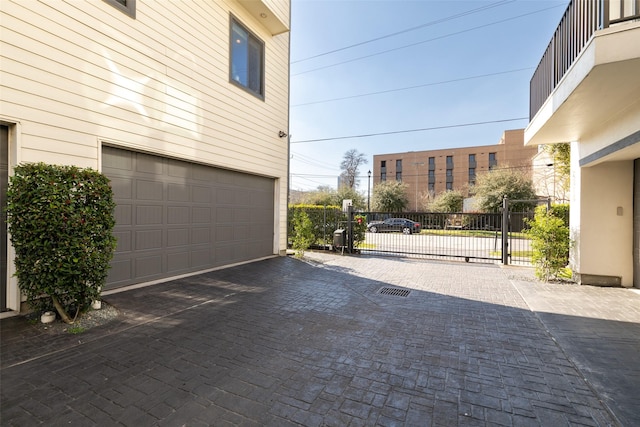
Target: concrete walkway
{"x":286,"y":342}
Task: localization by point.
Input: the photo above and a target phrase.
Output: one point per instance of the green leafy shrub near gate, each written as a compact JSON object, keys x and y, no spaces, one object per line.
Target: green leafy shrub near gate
{"x":61,"y":221}
{"x":324,"y":219}
{"x":302,"y":232}
{"x":550,"y":241}
{"x":359,"y":229}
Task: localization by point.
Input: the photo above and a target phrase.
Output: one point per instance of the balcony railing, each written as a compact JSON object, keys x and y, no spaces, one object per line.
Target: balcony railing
{"x":578,"y":24}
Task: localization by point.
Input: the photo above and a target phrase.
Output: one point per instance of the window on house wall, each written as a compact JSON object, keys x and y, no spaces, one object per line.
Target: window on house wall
{"x":449,"y":162}
{"x":432,"y":187}
{"x":399,"y":165}
{"x":383,"y":176}
{"x":449,"y":186}
{"x":472,"y":176}
{"x":125,"y":6}
{"x":432,"y":162}
{"x":399,"y":176}
{"x":246,"y":67}
{"x":383,"y":163}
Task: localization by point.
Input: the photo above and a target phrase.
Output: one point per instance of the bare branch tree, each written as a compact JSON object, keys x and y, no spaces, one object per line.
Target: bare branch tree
{"x":351,"y":162}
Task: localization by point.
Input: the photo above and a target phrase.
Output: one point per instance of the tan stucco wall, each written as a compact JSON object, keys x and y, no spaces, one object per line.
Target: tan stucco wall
{"x":602,"y":220}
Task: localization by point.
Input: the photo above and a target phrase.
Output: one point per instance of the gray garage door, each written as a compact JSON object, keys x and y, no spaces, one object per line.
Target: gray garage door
{"x":175,"y":217}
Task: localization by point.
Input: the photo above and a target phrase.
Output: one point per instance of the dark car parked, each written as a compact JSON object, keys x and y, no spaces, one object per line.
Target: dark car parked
{"x":404,"y":225}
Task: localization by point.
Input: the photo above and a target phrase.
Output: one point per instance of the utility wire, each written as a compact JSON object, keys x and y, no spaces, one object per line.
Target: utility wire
{"x":410,"y":130}
{"x":411,"y":87}
{"x":424,"y":41}
{"x":427,"y":24}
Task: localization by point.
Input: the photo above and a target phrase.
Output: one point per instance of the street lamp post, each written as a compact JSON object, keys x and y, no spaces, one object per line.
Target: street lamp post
{"x":369,"y":192}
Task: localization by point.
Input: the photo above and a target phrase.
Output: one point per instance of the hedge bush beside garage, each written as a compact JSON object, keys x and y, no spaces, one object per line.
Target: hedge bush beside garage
{"x":325,"y":220}
{"x":61,"y":221}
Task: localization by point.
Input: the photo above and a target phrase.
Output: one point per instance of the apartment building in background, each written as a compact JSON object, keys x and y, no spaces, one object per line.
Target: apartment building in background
{"x":586,"y":92}
{"x":430,"y":172}
{"x":183,"y":105}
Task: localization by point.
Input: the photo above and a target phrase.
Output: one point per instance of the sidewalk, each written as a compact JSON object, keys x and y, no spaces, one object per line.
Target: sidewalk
{"x":286,"y":342}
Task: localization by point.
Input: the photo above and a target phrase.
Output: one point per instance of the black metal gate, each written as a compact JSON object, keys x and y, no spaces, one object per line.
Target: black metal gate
{"x":470,"y":237}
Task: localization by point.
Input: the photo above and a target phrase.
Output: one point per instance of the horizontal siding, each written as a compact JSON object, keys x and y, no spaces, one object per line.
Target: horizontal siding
{"x":77,"y":73}
{"x":172,"y":87}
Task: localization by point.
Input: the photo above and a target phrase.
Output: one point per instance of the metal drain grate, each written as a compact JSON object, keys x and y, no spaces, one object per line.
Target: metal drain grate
{"x":396,"y":292}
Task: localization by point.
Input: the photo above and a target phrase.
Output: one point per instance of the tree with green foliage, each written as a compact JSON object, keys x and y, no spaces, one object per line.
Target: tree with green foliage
{"x":493,"y":185}
{"x":325,"y":196}
{"x":390,"y":196}
{"x":550,"y":240}
{"x":61,"y":221}
{"x":447,"y":202}
{"x":302,"y":232}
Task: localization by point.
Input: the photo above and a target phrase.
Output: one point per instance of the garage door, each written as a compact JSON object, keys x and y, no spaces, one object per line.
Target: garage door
{"x":175,"y":217}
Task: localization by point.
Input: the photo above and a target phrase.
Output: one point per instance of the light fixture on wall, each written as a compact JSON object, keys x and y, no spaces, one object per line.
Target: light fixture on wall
{"x":282,"y":134}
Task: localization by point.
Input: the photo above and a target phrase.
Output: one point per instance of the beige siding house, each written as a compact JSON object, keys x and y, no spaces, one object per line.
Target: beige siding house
{"x":183,"y":105}
{"x":586,"y":92}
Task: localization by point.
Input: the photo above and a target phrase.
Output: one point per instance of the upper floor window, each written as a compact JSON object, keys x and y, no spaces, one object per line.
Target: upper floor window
{"x":246,"y":68}
{"x":432,"y":163}
{"x":383,"y":176}
{"x":125,"y":6}
{"x":398,"y":165}
{"x":383,"y":163}
{"x":493,"y":161}
{"x":449,"y":162}
{"x":398,"y":176}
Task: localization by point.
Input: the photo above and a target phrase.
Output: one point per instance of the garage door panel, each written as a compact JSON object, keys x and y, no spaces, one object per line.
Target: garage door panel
{"x":149,"y":164}
{"x":174,"y":217}
{"x":148,"y":215}
{"x":179,"y":261}
{"x":178,"y":215}
{"x":123,"y":187}
{"x":124,"y":240}
{"x":178,"y":237}
{"x":178,"y":192}
{"x":148,"y":267}
{"x":121,"y":271}
{"x":149,"y":190}
{"x":148,"y":239}
{"x":201,"y":194}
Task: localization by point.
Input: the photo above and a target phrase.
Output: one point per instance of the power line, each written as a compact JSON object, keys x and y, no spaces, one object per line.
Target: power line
{"x":428,"y":24}
{"x":424,"y":41}
{"x":412,"y":87}
{"x":410,"y":130}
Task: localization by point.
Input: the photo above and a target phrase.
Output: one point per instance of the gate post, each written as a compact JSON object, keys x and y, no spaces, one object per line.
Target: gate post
{"x":350,"y":230}
{"x":505,"y":230}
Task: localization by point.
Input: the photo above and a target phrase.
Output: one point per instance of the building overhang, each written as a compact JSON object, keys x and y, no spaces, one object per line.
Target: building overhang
{"x":267,"y":15}
{"x":601,"y":84}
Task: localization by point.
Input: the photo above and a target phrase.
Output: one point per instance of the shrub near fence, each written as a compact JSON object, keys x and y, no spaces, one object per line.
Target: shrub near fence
{"x":325,"y":220}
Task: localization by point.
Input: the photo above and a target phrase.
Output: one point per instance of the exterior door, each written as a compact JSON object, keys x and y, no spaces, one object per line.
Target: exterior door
{"x":4,"y":179}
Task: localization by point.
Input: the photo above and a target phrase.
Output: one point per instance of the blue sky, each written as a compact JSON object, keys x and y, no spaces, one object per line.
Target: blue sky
{"x":431,"y":76}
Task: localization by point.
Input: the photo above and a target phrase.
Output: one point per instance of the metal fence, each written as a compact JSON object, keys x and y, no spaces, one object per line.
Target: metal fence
{"x":470,"y":237}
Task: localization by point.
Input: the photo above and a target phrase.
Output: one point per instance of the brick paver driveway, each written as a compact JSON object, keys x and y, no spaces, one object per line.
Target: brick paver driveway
{"x":284,"y":342}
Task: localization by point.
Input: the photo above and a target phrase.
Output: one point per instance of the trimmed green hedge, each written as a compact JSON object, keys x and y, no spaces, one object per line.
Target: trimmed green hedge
{"x":550,"y":240}
{"x":324,"y":219}
{"x":61,"y":221}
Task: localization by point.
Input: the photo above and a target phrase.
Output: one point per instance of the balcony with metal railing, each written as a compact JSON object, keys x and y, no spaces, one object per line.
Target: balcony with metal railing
{"x":581,"y":20}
